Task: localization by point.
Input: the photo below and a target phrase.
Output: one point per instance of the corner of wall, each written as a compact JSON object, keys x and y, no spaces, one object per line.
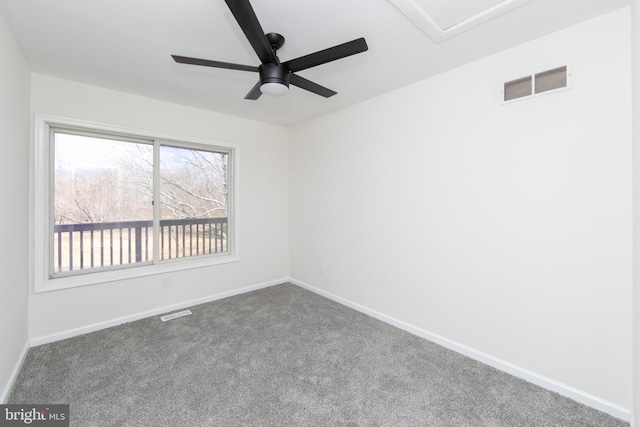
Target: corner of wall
{"x":14,"y":137}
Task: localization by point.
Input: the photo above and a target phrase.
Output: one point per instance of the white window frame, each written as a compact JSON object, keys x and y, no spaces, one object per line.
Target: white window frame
{"x":43,"y":199}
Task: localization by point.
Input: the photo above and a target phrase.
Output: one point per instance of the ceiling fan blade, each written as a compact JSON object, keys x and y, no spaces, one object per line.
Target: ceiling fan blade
{"x":248,"y":21}
{"x":322,"y":57}
{"x":216,"y":64}
{"x":303,"y":83}
{"x":255,"y":92}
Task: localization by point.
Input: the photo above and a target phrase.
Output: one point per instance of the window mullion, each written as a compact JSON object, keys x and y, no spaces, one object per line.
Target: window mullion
{"x":156,"y":201}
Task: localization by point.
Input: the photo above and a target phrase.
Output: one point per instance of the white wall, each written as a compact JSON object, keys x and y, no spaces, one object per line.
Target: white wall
{"x":635,"y":45}
{"x":263,"y":207}
{"x":505,"y":228}
{"x":14,"y":187}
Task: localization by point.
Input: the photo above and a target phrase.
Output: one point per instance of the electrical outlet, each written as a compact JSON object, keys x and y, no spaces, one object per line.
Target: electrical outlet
{"x":323,"y":269}
{"x":165,"y":283}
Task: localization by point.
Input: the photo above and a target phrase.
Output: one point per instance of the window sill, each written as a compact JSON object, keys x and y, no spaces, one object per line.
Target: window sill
{"x":126,"y":273}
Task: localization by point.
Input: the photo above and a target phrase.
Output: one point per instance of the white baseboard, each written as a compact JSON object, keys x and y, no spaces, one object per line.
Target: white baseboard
{"x":34,"y":342}
{"x":517,"y":371}
{"x":14,"y":374}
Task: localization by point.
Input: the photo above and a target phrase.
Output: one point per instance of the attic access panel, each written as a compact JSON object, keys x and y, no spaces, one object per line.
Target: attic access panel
{"x":448,"y":14}
{"x":441,"y":19}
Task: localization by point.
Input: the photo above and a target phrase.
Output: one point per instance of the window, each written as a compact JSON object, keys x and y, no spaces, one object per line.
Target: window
{"x":114,"y":203}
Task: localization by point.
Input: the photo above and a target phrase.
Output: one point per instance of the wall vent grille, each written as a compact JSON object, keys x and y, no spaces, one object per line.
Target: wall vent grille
{"x":554,"y":79}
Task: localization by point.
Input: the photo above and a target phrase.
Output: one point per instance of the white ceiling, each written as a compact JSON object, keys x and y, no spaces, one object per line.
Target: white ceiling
{"x":126,"y":45}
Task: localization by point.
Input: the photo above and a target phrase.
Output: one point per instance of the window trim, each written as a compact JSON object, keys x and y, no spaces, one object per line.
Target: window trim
{"x":42,"y":200}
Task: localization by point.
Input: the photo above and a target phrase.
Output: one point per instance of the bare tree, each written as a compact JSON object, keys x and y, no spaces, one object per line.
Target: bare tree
{"x":193,"y":184}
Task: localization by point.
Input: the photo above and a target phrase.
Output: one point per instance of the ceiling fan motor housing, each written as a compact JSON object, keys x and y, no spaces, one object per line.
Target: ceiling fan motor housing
{"x":274,"y":73}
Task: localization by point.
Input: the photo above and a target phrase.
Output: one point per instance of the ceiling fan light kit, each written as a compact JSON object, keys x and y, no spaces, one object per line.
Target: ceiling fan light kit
{"x":274,"y":79}
{"x":275,"y":76}
{"x":274,"y":89}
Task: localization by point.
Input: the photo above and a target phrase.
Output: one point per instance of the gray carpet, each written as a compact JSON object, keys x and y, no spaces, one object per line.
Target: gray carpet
{"x":280,"y":356}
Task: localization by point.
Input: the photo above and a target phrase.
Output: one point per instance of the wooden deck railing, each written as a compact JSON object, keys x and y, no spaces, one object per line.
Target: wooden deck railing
{"x":94,"y":245}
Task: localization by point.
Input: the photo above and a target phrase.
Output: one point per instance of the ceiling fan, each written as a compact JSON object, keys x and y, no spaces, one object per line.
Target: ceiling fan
{"x":275,"y":76}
